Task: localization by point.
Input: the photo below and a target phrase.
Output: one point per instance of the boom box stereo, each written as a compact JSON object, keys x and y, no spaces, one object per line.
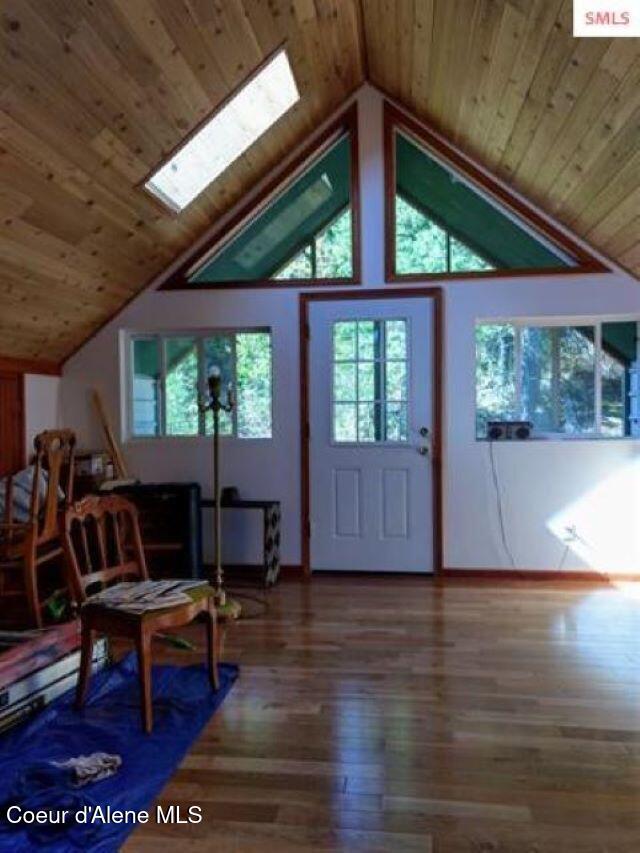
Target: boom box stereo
{"x":509,"y":430}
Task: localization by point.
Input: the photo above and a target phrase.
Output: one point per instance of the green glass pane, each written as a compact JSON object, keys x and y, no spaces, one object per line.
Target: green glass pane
{"x":396,"y":380}
{"x":397,"y":428}
{"x":344,"y":422}
{"x":464,"y":259}
{"x":576,"y":379}
{"x":450,"y":204}
{"x":619,"y":351}
{"x":369,"y":339}
{"x":368,"y":422}
{"x":614,"y":417}
{"x":333,"y":249}
{"x":253,"y":372}
{"x":558,"y":378}
{"x":218,"y":352}
{"x":298,"y":267}
{"x":344,"y":340}
{"x":344,"y":381}
{"x":146,"y":387}
{"x":368,"y":372}
{"x":396,"y":334}
{"x":309,"y":207}
{"x":495,"y":374}
{"x":421,"y":245}
{"x":181,"y":386}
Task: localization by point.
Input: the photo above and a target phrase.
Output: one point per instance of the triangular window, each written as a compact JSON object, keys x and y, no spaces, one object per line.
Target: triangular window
{"x":445,"y":225}
{"x":447,"y":217}
{"x":303,"y":232}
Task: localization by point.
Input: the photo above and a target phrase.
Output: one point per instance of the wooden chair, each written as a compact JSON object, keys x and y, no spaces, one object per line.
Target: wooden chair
{"x":103,"y":546}
{"x":26,"y":545}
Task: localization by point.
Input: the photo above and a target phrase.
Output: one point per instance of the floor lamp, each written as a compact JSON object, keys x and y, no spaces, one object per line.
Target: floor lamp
{"x":227,"y":608}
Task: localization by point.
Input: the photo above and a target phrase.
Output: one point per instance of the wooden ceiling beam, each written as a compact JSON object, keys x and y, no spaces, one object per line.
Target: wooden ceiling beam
{"x":95,"y":95}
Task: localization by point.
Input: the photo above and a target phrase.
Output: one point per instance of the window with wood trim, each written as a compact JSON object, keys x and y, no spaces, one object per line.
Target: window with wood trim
{"x":443,"y":224}
{"x":304,"y":234}
{"x":168,"y":377}
{"x":302,"y":228}
{"x":447,"y":217}
{"x":566,"y":378}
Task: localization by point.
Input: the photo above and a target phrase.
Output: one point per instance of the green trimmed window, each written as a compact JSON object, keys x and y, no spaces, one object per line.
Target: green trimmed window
{"x":305,"y":233}
{"x":443,"y":224}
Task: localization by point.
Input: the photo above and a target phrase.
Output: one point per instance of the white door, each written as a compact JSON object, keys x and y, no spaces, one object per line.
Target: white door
{"x":370,"y":421}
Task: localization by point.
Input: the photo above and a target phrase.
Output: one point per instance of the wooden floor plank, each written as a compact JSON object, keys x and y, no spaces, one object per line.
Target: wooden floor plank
{"x":404,"y":714}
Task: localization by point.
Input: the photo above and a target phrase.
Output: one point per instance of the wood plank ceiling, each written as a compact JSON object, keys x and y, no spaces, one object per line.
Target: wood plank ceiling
{"x":93,"y":95}
{"x":557,"y":117}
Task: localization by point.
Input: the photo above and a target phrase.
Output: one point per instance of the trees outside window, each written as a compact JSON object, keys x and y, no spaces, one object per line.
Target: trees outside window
{"x":169,"y":376}
{"x":571,"y":380}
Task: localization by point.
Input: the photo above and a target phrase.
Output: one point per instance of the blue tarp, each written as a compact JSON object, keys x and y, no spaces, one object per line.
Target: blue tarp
{"x":183,"y":702}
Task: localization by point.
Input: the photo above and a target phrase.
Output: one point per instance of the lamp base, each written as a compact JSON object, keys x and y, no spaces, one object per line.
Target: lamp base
{"x":227,"y":608}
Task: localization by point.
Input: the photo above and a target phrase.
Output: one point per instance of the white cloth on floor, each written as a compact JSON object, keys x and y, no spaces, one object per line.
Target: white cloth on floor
{"x":91,"y":768}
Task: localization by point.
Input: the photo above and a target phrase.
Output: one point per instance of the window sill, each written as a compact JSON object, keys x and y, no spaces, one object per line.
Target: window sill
{"x":150,"y":439}
{"x":559,"y":437}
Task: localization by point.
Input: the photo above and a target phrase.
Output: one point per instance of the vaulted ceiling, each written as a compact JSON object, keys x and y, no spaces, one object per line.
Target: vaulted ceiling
{"x":93,"y":94}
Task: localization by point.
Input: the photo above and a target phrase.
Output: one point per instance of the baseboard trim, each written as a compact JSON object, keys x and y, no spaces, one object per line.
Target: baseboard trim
{"x":537,"y":575}
{"x":292,"y":572}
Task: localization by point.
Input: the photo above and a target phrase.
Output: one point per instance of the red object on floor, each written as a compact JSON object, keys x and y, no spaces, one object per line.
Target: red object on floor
{"x":32,"y":653}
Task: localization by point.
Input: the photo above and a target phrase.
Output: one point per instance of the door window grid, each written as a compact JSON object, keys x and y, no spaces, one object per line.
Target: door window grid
{"x":370,"y":380}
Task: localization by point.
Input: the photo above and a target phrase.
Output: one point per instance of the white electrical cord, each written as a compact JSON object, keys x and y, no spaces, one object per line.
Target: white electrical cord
{"x":565,"y":554}
{"x":496,"y":486}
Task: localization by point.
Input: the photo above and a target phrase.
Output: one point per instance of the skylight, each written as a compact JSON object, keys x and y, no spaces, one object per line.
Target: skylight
{"x":227,"y":134}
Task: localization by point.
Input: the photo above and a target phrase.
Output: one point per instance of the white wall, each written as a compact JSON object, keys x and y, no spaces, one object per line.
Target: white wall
{"x":41,"y":405}
{"x":539,"y":480}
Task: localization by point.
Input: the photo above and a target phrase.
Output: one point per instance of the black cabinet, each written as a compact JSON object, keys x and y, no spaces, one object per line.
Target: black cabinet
{"x":171,"y":527}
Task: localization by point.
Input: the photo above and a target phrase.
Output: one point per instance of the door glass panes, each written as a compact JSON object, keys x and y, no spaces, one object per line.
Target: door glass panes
{"x":181,"y":386}
{"x":370,"y":381}
{"x":146,"y":383}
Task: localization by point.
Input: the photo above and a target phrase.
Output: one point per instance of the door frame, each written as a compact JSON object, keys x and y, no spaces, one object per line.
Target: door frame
{"x":304,"y":300}
{"x":16,"y":449}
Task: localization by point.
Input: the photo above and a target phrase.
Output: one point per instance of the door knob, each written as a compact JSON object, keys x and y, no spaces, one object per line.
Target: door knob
{"x":423,"y":451}
{"x":424,"y":431}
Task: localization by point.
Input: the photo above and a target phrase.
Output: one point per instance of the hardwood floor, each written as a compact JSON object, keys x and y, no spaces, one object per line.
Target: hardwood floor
{"x":383,"y":714}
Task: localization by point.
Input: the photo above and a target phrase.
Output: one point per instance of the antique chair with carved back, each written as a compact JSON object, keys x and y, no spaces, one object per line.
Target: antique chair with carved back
{"x":29,"y":528}
{"x":103,"y":547}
